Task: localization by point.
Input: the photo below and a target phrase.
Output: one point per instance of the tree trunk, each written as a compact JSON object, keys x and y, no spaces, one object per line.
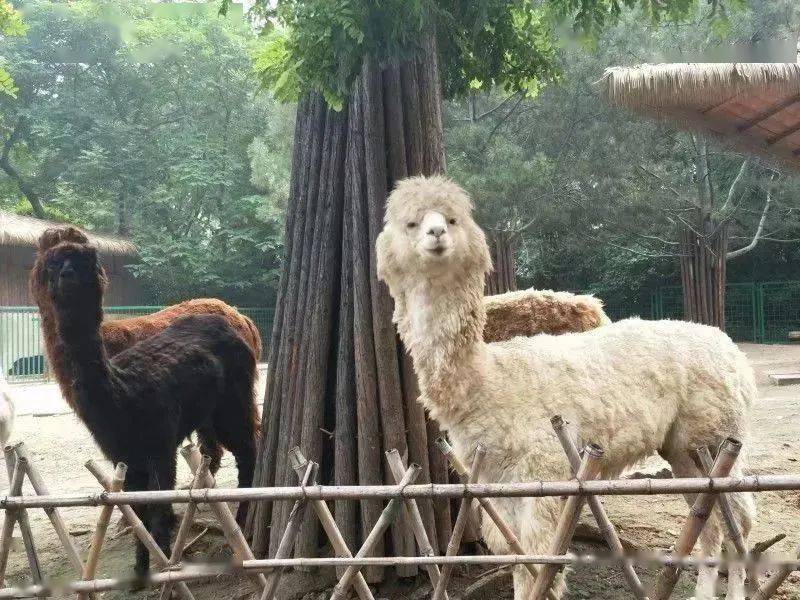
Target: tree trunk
{"x":335,"y":362}
{"x":703,"y":273}
{"x":503,"y":277}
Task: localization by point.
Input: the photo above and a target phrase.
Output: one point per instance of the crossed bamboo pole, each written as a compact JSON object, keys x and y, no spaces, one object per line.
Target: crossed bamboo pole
{"x":175,"y":574}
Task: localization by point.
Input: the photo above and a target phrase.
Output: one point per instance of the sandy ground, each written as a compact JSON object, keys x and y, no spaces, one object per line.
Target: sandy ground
{"x":60,"y":445}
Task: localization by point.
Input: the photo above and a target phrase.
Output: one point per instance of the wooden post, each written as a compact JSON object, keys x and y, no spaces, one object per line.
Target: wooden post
{"x":17,"y":474}
{"x":772,"y":584}
{"x":414,"y":516}
{"x":387,"y":517}
{"x":461,"y":522}
{"x":299,"y":462}
{"x":699,"y":514}
{"x":290,"y":534}
{"x":138,"y":527}
{"x":707,"y":463}
{"x":186,"y":524}
{"x":60,"y":526}
{"x":231,"y":529}
{"x":12,"y":461}
{"x":570,"y":513}
{"x":607,"y":529}
{"x":99,"y":536}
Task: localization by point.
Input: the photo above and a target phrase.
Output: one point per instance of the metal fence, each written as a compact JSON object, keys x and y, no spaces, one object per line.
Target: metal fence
{"x":763,"y":313}
{"x":22,"y":343}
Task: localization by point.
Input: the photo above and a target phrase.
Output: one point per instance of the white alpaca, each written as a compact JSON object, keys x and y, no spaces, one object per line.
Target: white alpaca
{"x":6,"y":410}
{"x":635,"y":387}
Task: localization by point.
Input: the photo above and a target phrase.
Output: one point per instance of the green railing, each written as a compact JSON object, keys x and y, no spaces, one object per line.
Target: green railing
{"x":754,"y":312}
{"x":22,"y":344}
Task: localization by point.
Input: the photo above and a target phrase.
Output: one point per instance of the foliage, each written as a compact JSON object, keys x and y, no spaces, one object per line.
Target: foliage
{"x":147,"y":122}
{"x":319,"y":45}
{"x":601,"y":194}
{"x":10,"y":25}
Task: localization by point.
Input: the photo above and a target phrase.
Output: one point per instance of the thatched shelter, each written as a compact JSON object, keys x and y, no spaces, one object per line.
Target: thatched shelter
{"x":18,"y":238}
{"x":752,"y":106}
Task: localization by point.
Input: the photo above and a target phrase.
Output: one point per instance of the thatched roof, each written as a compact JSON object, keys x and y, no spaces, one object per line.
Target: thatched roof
{"x":16,"y":230}
{"x":755,"y":106}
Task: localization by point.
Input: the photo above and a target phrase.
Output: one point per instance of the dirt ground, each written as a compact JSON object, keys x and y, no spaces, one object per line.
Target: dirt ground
{"x":60,"y":445}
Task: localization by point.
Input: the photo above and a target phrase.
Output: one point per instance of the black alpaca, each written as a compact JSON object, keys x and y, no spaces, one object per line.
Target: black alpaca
{"x":196,"y":375}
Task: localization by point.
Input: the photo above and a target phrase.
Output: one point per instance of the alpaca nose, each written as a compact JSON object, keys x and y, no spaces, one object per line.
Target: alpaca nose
{"x":436,"y":230}
{"x":68,"y":272}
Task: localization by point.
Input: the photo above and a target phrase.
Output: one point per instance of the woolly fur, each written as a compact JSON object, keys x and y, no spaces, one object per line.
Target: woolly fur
{"x":7,"y":410}
{"x":635,"y":387}
{"x":531,"y":312}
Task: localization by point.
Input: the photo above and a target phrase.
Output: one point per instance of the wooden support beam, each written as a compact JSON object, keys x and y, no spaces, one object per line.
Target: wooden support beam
{"x":21,"y":516}
{"x":387,"y":517}
{"x":186,"y":525}
{"x":698,"y":516}
{"x":290,"y":533}
{"x":99,"y":535}
{"x":414,"y":516}
{"x":607,"y":529}
{"x":568,"y":521}
{"x":230,"y":528}
{"x":461,"y":522}
{"x":299,"y":464}
{"x":139,"y":529}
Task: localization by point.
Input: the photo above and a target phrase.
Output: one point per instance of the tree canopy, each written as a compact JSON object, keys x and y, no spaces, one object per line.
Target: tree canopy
{"x":10,"y":25}
{"x":319,"y":45}
{"x":145,"y":120}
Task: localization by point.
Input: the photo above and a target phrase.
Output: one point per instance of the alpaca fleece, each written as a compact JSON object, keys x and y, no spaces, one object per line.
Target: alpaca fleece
{"x":531,"y":312}
{"x":197,"y":375}
{"x":635,"y":387}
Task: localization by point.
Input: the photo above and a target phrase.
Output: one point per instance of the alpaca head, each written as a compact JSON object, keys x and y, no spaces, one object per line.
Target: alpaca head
{"x":429,"y":232}
{"x":71,"y":274}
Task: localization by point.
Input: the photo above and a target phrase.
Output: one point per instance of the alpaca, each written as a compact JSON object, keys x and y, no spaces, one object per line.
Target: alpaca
{"x":195,"y":375}
{"x":635,"y":387}
{"x":121,"y":334}
{"x":7,"y":411}
{"x":530,"y":312}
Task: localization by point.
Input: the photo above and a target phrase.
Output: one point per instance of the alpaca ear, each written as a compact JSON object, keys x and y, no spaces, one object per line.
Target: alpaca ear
{"x":55,"y":235}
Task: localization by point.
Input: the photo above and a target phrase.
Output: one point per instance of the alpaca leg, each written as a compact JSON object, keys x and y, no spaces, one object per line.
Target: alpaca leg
{"x":136,"y":481}
{"x":743,"y":506}
{"x":162,"y":476}
{"x":683,"y":465}
{"x":535,"y":524}
{"x":236,"y":430}
{"x":210,"y":446}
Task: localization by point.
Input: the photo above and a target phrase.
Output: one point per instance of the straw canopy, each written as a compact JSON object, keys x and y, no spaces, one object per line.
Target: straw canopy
{"x":16,"y":230}
{"x":754,"y":106}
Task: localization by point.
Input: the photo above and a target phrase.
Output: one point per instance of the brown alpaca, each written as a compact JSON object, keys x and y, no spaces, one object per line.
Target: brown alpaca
{"x":197,"y":375}
{"x":529,"y":312}
{"x":121,"y":334}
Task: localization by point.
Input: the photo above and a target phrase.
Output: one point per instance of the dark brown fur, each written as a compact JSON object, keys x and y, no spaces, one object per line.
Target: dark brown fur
{"x":195,"y":375}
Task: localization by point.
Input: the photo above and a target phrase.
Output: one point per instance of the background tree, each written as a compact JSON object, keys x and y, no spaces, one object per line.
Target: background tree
{"x":146,"y":121}
{"x":369,"y":78}
{"x":616,"y":191}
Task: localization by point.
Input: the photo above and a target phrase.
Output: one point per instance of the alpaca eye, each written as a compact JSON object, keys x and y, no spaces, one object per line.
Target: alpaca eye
{"x":452,"y":221}
{"x":411,"y":224}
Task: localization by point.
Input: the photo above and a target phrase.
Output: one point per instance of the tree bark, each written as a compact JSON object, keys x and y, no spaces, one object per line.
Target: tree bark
{"x":335,"y":362}
{"x":703,"y":271}
{"x":503,"y":277}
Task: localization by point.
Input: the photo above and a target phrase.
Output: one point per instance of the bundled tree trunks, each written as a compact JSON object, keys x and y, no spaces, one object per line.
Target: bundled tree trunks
{"x":503,"y":277}
{"x":703,"y":273}
{"x":339,"y":384}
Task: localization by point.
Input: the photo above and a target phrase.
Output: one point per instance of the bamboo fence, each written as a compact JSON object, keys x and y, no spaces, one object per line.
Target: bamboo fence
{"x":401,"y":510}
